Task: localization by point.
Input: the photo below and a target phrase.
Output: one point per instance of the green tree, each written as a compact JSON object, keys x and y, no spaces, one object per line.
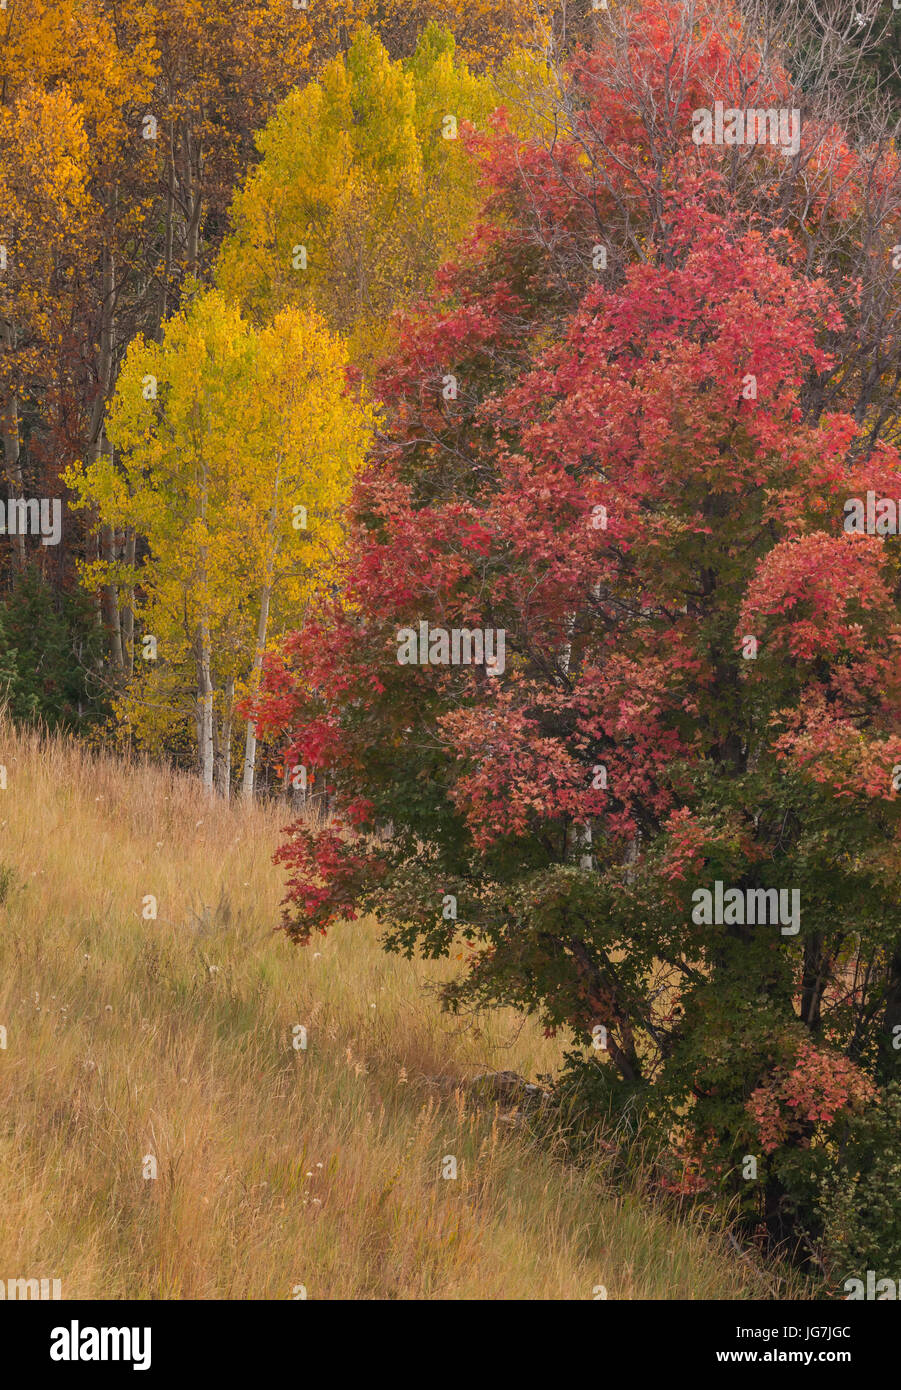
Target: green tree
{"x":50,"y":649}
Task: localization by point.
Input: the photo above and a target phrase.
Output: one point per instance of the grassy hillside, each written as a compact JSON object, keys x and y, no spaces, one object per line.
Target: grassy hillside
{"x":276,"y":1168}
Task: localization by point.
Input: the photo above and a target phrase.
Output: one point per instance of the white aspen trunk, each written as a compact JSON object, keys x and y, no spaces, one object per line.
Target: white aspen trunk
{"x":205,"y":705}
{"x":224,"y":750}
{"x":250,"y":739}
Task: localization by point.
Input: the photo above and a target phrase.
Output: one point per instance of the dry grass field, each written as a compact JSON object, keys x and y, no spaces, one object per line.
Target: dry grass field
{"x":130,"y":1039}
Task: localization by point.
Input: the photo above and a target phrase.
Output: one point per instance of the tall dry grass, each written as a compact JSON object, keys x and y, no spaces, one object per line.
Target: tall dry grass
{"x":276,"y":1167}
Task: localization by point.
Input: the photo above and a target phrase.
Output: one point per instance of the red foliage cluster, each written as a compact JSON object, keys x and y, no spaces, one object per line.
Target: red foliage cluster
{"x":801,"y":1100}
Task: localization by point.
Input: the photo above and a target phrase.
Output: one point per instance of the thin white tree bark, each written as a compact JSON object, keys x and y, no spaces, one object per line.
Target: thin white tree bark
{"x":250,"y":739}
{"x":224,"y":743}
{"x":205,"y":705}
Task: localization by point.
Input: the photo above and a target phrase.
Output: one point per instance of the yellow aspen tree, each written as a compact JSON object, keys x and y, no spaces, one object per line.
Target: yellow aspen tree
{"x":485,"y":30}
{"x":362,"y":190}
{"x":234,"y":449}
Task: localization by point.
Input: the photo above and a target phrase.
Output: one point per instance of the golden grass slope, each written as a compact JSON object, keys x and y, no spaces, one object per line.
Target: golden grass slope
{"x":277,"y":1168}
